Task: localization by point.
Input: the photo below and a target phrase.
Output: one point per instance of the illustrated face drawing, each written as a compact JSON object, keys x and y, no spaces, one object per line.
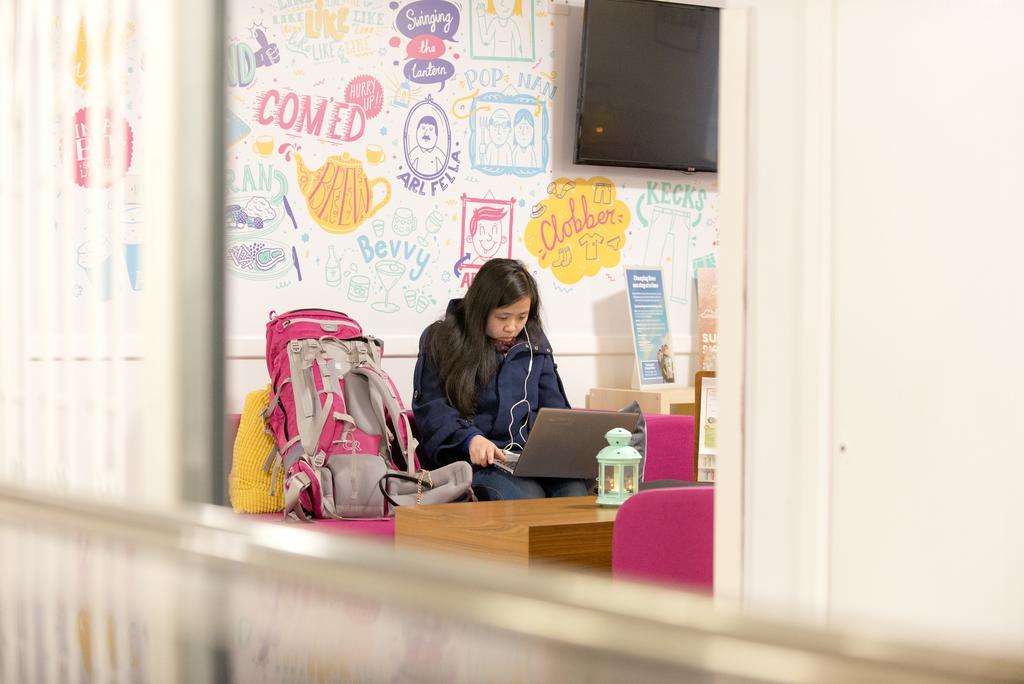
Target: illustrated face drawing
{"x":487,"y":238}
{"x":523,"y":128}
{"x":426,"y":133}
{"x":500,"y":127}
{"x":485,"y":230}
{"x":504,"y":8}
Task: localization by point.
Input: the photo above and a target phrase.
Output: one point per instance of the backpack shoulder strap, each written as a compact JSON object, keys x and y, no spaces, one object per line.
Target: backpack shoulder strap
{"x":309,"y":414}
{"x":381,"y":401}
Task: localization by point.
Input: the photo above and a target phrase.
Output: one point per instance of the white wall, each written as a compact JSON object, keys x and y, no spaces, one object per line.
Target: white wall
{"x":928,"y":323}
{"x":583,"y":363}
{"x":883,"y":443}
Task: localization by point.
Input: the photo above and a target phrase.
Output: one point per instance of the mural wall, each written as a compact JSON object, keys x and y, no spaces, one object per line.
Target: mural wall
{"x":381,"y":152}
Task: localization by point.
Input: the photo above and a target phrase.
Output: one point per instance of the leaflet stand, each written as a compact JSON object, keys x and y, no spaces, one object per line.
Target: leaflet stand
{"x":705,"y":437}
{"x":654,"y":361}
{"x":634,"y":381}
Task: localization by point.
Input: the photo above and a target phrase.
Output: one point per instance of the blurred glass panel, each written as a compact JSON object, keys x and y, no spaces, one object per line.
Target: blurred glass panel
{"x":111,"y":247}
{"x":73,"y":235}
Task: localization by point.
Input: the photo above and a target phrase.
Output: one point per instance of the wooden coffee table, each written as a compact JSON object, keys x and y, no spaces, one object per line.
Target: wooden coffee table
{"x":568,"y":530}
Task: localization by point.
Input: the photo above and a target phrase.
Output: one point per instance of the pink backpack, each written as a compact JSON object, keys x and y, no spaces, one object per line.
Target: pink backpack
{"x":344,"y":439}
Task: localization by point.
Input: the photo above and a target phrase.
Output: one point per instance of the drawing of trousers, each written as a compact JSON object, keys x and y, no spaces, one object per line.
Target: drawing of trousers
{"x":668,"y":246}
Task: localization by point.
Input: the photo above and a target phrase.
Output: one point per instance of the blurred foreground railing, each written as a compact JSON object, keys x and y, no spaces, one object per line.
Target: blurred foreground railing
{"x":90,"y":592}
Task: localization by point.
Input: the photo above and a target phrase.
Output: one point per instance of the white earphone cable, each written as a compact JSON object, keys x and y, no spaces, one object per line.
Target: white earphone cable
{"x":511,"y":412}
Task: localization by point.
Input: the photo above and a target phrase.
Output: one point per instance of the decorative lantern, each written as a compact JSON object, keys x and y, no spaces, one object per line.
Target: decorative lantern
{"x":618,"y":471}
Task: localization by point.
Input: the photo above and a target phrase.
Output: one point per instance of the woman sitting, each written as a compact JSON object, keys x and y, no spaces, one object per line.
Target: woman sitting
{"x":483,"y":373}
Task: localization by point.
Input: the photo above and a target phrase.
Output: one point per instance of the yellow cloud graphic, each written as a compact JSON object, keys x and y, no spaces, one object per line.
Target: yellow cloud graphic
{"x":578,"y":229}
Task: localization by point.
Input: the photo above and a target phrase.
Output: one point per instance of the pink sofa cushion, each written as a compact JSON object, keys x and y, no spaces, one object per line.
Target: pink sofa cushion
{"x":669,"y":457}
{"x":666,"y":535}
{"x":380,"y":529}
{"x":669,"y":448}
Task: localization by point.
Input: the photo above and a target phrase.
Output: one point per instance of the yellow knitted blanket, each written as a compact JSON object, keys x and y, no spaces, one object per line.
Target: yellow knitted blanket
{"x":248,"y":484}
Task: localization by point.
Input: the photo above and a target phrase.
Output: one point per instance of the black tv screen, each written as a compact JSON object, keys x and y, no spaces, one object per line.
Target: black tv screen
{"x":648,"y":85}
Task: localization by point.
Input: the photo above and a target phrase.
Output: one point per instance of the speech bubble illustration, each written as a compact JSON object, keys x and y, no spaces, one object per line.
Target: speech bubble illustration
{"x":425,"y":47}
{"x":575,"y":232}
{"x":435,"y":17}
{"x":367,"y":92}
{"x":429,"y":71}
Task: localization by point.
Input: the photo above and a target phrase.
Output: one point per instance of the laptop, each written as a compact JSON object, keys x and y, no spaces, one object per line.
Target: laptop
{"x":565,"y":442}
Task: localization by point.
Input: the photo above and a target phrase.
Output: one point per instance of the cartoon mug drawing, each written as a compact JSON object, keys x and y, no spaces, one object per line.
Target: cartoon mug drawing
{"x":338,"y":194}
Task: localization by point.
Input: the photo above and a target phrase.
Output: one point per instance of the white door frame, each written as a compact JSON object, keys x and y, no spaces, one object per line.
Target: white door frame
{"x":772,"y":510}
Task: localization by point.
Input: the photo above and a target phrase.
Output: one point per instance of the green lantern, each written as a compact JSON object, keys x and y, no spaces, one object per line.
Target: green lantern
{"x":618,"y":469}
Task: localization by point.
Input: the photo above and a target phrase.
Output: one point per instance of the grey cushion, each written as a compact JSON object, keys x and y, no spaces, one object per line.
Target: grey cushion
{"x":639,"y":439}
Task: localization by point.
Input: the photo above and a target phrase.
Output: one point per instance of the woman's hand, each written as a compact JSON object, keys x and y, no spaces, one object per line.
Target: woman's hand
{"x":483,"y":452}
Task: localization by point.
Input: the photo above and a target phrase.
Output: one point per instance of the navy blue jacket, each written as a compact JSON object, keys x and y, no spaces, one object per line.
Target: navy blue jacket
{"x":445,"y":434}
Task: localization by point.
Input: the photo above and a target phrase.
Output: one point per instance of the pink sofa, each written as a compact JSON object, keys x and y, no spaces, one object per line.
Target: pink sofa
{"x":669,"y":448}
{"x":662,"y":535}
{"x":380,"y":529}
{"x":666,"y":536}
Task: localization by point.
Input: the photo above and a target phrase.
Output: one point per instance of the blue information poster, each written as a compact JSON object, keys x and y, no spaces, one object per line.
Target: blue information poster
{"x":652,"y":340}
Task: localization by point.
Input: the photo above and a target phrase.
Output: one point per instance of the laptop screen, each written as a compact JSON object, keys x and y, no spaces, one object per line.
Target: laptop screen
{"x":565,"y":442}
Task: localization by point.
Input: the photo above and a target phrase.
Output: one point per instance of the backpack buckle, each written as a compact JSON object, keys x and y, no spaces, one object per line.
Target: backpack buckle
{"x":319,"y":459}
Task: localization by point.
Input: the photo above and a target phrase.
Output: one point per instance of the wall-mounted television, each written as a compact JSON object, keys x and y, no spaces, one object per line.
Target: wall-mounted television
{"x":648,"y":85}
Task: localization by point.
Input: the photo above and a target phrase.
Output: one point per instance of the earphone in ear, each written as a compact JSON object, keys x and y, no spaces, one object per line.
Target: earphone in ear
{"x":511,"y":412}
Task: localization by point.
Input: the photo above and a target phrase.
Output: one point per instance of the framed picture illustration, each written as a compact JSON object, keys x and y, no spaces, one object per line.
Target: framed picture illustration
{"x":502,"y":30}
{"x":486,"y":230}
{"x":427,"y":139}
{"x":508,"y":134}
{"x":706,"y":430}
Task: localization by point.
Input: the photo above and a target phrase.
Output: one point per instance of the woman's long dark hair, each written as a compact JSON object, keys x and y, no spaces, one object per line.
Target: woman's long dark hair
{"x":459,"y":345}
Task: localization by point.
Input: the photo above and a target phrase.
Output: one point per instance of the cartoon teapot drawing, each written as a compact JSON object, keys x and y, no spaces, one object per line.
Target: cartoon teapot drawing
{"x":338,"y":194}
